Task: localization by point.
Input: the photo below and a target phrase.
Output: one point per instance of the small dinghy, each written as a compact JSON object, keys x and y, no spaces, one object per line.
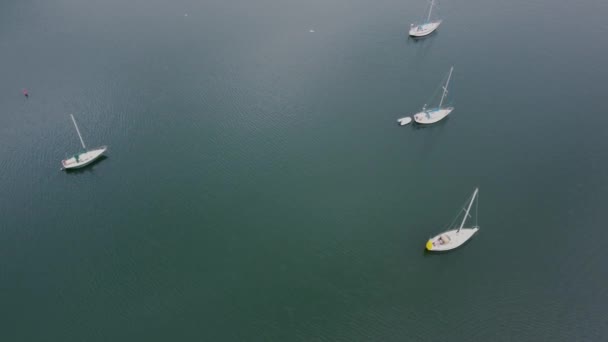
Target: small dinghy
{"x":430,"y":116}
{"x":83,"y":158}
{"x":453,"y":238}
{"x":404,"y":121}
{"x":427,"y":27}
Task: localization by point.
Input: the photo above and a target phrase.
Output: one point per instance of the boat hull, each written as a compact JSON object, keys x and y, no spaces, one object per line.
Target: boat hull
{"x":432,"y":116}
{"x":450,"y":240}
{"x":424,"y":29}
{"x":83,"y":159}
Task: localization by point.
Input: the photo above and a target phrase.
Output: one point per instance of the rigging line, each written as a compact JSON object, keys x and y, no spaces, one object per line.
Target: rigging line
{"x":477,"y":211}
{"x":436,"y":95}
{"x":463,"y":208}
{"x":439,"y":92}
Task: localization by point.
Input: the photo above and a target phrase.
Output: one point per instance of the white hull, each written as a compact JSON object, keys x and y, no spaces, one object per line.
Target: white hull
{"x":432,"y":115}
{"x":450,"y":239}
{"x":424,"y":29}
{"x":83,"y":159}
{"x":404,"y":121}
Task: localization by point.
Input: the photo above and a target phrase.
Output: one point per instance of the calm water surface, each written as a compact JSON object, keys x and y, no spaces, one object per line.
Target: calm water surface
{"x":258,"y":188}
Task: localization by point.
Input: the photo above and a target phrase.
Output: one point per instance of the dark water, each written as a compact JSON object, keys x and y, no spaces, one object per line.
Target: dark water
{"x":258,"y":188}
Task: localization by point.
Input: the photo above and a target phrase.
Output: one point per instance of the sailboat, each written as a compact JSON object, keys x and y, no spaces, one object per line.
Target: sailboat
{"x":426,"y":28}
{"x":456,"y":237}
{"x":83,"y":158}
{"x":429,"y":116}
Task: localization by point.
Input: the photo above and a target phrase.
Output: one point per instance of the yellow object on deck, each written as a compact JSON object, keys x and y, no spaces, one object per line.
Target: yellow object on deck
{"x":429,"y":245}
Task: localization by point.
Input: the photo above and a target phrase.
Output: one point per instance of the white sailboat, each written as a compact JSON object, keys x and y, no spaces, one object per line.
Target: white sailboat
{"x":426,"y":28}
{"x":456,"y":237}
{"x":83,"y":158}
{"x":430,"y":116}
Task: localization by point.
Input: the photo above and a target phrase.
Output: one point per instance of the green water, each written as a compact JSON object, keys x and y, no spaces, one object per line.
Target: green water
{"x":258,"y":188}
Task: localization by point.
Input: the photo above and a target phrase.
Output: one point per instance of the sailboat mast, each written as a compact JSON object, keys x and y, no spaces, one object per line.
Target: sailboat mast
{"x":78,"y":131}
{"x":445,"y":89}
{"x":430,"y":10}
{"x":468,"y":209}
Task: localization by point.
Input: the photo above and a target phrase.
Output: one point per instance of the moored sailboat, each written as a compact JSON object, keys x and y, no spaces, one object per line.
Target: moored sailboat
{"x":83,"y":158}
{"x":427,"y":27}
{"x":456,"y":237}
{"x":433,"y":115}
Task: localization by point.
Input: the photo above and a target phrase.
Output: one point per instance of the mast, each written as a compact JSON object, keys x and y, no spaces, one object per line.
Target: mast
{"x":78,"y":131}
{"x":428,"y":19}
{"x":468,"y":209}
{"x":445,"y":88}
